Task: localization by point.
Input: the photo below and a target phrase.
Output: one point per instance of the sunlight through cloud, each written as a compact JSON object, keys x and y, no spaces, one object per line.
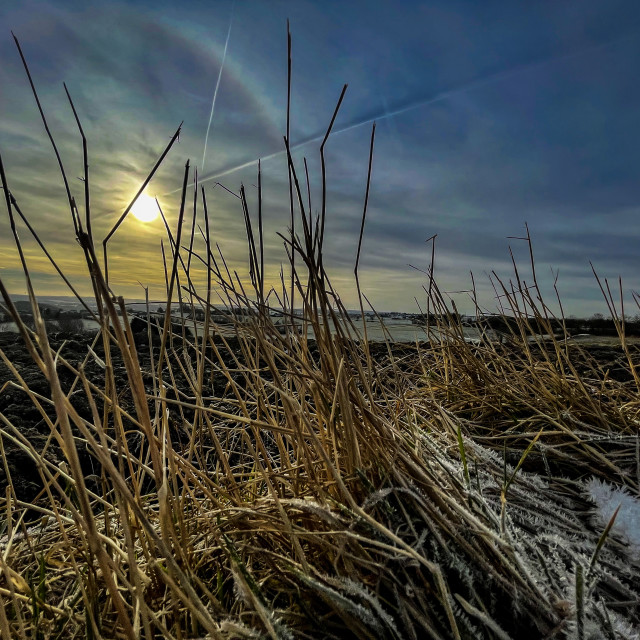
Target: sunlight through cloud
{"x":145,"y":208}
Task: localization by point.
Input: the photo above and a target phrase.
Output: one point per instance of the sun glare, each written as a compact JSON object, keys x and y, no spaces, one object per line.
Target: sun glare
{"x":145,"y":208}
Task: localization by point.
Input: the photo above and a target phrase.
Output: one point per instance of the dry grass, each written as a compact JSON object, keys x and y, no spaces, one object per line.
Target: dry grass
{"x":304,"y":484}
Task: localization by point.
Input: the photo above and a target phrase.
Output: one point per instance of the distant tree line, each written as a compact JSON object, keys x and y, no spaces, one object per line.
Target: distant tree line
{"x":596,"y":325}
{"x":56,"y":320}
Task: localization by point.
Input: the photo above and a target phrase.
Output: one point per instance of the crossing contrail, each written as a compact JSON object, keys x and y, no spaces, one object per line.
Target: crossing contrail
{"x":444,"y":95}
{"x":215,"y":92}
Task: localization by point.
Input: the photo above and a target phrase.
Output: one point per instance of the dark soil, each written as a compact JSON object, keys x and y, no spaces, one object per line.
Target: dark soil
{"x":19,"y":417}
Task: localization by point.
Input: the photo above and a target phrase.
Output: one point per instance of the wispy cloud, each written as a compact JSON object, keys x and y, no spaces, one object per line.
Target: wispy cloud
{"x":501,"y":114}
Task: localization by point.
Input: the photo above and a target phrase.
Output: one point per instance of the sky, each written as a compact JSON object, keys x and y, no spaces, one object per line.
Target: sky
{"x":489,"y":115}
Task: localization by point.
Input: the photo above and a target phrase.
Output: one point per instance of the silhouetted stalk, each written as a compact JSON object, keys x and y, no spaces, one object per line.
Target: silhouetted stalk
{"x":261,"y":300}
{"x":140,"y":190}
{"x":172,"y":280}
{"x":72,"y":206}
{"x":85,"y":161}
{"x":323,"y":212}
{"x":355,"y":269}
{"x":288,"y":137}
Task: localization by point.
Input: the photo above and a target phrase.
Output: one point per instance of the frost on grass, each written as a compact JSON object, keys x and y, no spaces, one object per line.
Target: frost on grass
{"x":607,"y":498}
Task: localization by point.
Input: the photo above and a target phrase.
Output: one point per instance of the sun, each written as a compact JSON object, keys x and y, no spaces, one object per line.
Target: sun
{"x":145,"y":208}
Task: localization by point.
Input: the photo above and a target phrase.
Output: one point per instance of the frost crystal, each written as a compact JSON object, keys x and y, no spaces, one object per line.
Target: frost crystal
{"x":607,"y":498}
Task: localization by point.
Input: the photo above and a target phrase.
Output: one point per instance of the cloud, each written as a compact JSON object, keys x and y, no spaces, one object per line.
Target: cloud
{"x":505,"y":114}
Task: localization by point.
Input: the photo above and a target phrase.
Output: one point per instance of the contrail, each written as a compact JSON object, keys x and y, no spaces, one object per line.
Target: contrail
{"x":215,"y":92}
{"x":470,"y":86}
{"x":445,"y":95}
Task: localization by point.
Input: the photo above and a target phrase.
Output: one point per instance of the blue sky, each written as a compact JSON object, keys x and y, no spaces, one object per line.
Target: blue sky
{"x":489,"y":115}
